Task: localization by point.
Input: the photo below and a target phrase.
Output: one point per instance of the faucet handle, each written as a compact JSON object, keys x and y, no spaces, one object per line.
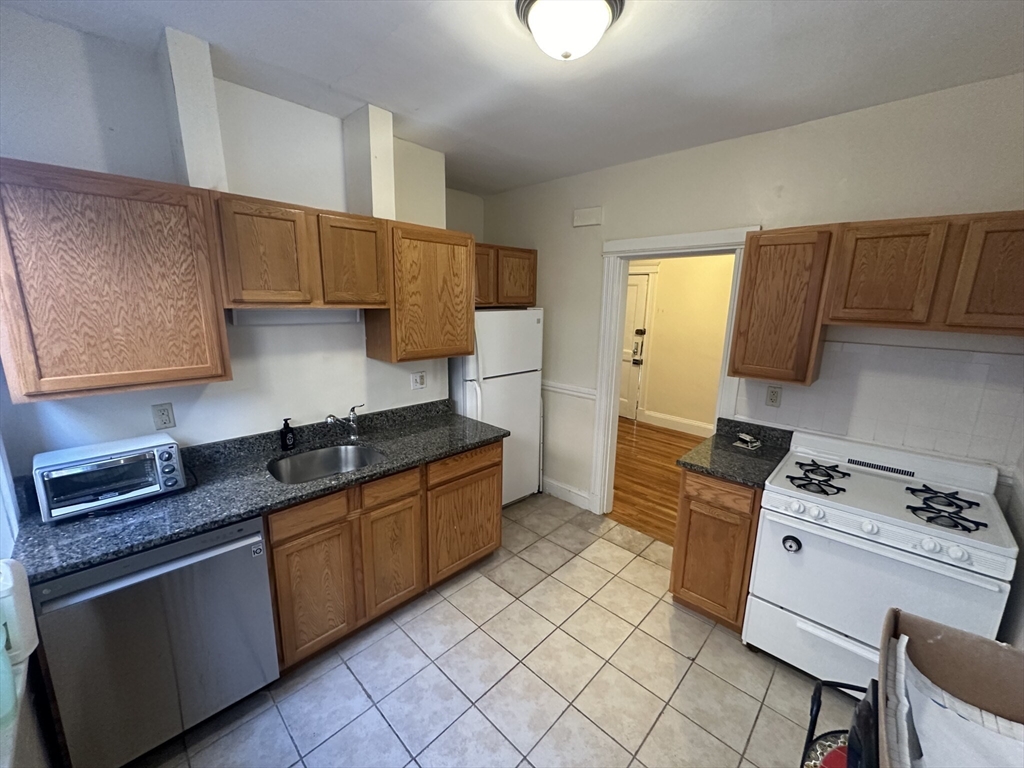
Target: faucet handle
{"x":352,"y":410}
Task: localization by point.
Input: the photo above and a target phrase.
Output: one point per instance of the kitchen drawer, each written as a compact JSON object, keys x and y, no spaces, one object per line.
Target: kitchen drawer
{"x":463,"y":464}
{"x":295,"y":521}
{"x":719,"y":493}
{"x":389,"y":488}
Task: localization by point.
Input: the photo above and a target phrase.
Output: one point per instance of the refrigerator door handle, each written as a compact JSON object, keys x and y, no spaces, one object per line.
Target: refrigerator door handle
{"x":479,"y":399}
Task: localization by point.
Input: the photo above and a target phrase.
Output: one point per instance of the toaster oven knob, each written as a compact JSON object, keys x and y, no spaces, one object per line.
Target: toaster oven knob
{"x":167,"y":469}
{"x":165,"y":456}
{"x":170,"y":482}
{"x":930,"y":545}
{"x":957,"y":554}
{"x":868,"y":527}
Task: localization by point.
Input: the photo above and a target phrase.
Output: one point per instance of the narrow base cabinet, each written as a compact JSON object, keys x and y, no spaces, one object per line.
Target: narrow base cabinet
{"x":714,"y":547}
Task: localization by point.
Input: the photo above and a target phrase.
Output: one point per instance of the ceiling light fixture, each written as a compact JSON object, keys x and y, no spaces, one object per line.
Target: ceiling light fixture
{"x":568,"y":29}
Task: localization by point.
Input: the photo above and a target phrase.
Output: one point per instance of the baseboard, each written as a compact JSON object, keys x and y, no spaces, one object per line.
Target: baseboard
{"x":568,"y":493}
{"x":689,"y":426}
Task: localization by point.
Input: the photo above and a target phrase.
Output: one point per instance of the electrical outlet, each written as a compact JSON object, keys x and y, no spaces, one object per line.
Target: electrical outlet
{"x":163,"y":416}
{"x":774,"y":397}
{"x":418,"y":380}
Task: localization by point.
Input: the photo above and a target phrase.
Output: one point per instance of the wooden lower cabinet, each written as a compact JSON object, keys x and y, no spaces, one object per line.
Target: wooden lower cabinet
{"x":714,"y":547}
{"x":463,"y":522}
{"x":392,"y":555}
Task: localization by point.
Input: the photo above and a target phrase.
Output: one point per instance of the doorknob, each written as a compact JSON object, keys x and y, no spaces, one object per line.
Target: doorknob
{"x":636,"y":348}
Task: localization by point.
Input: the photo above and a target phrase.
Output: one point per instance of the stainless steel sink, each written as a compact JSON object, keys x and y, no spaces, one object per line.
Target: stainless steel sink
{"x":324,"y":462}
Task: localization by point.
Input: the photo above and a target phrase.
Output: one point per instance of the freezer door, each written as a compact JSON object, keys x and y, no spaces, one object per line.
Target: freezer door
{"x":508,"y":341}
{"x":513,"y":403}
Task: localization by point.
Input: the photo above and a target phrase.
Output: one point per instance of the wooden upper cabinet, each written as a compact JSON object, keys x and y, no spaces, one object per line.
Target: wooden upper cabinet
{"x":989,"y":288}
{"x":106,"y":283}
{"x":886,"y":271}
{"x":354,"y":259}
{"x":517,"y":277}
{"x":434,"y":278}
{"x":267,"y":252}
{"x":486,"y":275}
{"x":393,"y":566}
{"x":777,"y":329}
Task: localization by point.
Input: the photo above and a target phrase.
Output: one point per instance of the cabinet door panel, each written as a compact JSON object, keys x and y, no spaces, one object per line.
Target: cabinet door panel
{"x":989,"y":291}
{"x":463,"y":522}
{"x":486,"y":275}
{"x":393,"y":555}
{"x":887,"y":272}
{"x":315,"y":580}
{"x":353,"y":254}
{"x":710,"y":561}
{"x":517,"y":277}
{"x":777,"y":308}
{"x":106,"y":282}
{"x":266,"y":252}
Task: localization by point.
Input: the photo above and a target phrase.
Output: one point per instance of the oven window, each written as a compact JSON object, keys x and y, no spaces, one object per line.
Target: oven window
{"x":103,"y":480}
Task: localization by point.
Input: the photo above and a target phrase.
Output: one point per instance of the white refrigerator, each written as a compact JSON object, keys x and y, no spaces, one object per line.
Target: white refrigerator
{"x":500,"y":385}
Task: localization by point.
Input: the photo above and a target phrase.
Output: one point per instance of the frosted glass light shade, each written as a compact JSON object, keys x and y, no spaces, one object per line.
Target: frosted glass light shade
{"x":568,"y":29}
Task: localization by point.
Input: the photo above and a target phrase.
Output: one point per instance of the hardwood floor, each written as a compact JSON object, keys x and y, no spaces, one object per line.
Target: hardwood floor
{"x":647,"y":478}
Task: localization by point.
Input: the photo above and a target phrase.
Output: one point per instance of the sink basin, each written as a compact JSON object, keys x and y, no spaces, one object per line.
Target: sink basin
{"x":323,"y":462}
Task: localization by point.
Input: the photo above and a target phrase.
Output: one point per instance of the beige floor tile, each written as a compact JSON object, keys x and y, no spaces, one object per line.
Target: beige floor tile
{"x":658,"y":552}
{"x":575,"y":742}
{"x":516,"y":576}
{"x":546,"y":555}
{"x":553,"y":600}
{"x":651,"y":663}
{"x":678,"y":629}
{"x":790,"y":692}
{"x":493,"y":560}
{"x":412,"y":609}
{"x":723,"y":710}
{"x":728,"y":658}
{"x":387,"y":664}
{"x":564,"y":663}
{"x":519,"y":629}
{"x":423,"y":707}
{"x":776,"y":741}
{"x":624,"y":600}
{"x":481,"y":600}
{"x":170,"y":754}
{"x":676,"y":742}
{"x":471,"y":742}
{"x":292,"y":681}
{"x":523,"y":707}
{"x":607,"y":555}
{"x":598,"y":629}
{"x":541,"y":522}
{"x":563,"y":510}
{"x":744,"y":763}
{"x":519,"y":510}
{"x":516,"y":538}
{"x":262,"y":742}
{"x":571,"y":537}
{"x":367,"y":740}
{"x":620,"y":707}
{"x":583,"y":576}
{"x":646,"y":575}
{"x":476,"y":664}
{"x":438,"y":629}
{"x":321,"y":709}
{"x":457,"y":582}
{"x":366,"y":637}
{"x":625,"y":537}
{"x":595,"y":524}
{"x":636,"y":764}
{"x":225,"y":721}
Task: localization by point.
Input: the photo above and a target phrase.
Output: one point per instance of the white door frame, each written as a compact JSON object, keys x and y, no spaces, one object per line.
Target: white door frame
{"x":617,"y":255}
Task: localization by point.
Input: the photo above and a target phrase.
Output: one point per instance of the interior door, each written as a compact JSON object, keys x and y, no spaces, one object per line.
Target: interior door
{"x":633,"y":345}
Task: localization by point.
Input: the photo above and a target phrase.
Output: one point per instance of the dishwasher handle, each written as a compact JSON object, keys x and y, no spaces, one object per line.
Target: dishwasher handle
{"x":123,"y":582}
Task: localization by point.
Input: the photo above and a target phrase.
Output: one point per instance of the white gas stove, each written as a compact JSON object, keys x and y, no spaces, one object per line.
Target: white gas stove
{"x":848,"y":529}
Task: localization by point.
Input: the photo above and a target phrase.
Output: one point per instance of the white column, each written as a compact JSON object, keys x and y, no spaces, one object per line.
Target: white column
{"x":368,"y":138}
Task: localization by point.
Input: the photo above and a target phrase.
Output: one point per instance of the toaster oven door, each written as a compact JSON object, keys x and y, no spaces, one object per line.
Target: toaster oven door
{"x":100,"y":484}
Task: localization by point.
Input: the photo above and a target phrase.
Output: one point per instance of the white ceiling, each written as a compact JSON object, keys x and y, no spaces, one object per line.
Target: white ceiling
{"x":466,"y":78}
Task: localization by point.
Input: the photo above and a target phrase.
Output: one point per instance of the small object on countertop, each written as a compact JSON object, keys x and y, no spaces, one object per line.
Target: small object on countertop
{"x":287,"y":436}
{"x":749,"y":442}
{"x":16,"y":608}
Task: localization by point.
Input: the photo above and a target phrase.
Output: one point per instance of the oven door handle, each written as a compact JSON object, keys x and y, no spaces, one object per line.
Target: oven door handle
{"x":842,"y":642}
{"x":989,"y":583}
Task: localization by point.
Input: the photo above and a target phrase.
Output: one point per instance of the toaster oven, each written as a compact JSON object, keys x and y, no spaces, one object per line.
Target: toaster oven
{"x":77,"y":481}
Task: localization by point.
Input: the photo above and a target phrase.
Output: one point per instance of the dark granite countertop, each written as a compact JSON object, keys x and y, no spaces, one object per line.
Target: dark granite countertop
{"x":718,"y":457}
{"x":228,"y":482}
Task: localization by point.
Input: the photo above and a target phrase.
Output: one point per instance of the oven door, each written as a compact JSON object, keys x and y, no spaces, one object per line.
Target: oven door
{"x":85,"y":487}
{"x":847,"y":584}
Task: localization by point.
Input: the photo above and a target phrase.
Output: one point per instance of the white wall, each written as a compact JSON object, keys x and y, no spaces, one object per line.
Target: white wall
{"x":953,"y":151}
{"x":419,"y":184}
{"x":465,"y":212}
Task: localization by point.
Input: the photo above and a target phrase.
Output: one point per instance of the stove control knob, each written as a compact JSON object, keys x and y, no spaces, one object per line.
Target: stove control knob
{"x":930,"y":545}
{"x":868,"y":527}
{"x":957,"y":553}
{"x":817,"y":513}
{"x":796,"y":507}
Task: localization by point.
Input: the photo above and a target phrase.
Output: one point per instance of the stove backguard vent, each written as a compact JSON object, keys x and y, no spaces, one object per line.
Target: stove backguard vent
{"x":881,"y":467}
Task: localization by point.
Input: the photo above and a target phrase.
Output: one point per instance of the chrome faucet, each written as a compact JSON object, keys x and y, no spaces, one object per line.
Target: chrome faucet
{"x":353,"y":424}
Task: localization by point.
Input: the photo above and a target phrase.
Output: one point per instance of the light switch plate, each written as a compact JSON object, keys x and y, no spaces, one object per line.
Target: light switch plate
{"x":418,"y":380}
{"x":163,"y":416}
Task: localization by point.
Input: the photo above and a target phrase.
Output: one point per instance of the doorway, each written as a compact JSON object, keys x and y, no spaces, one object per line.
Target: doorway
{"x":633,"y":336}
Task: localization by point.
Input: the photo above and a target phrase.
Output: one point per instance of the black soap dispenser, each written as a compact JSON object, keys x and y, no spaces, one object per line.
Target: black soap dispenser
{"x":287,"y":436}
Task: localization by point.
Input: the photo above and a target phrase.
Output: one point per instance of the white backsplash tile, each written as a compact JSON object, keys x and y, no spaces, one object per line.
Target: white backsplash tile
{"x":953,"y":402}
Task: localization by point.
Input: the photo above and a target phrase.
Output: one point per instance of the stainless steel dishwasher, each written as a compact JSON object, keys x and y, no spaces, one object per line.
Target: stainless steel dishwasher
{"x":140,"y":649}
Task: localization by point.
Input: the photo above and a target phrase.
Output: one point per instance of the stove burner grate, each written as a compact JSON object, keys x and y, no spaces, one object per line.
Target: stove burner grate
{"x":944,"y":508}
{"x":818,"y":478}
